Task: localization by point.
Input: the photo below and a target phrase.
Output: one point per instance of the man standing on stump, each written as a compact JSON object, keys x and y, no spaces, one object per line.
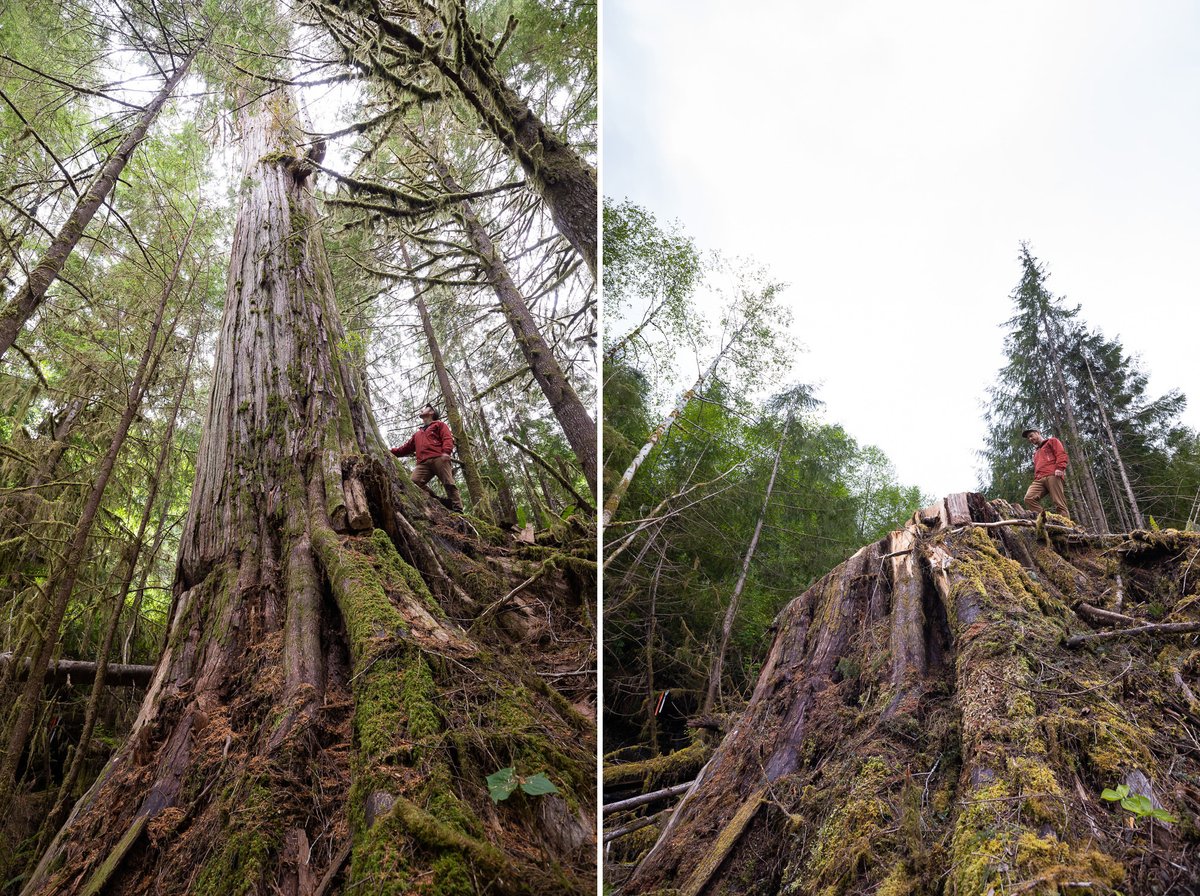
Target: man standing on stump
{"x":432,"y":444}
{"x":1049,"y":471}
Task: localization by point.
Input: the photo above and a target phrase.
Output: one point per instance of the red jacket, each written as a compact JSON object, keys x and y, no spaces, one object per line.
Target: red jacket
{"x":1049,"y":456}
{"x":428,"y":442}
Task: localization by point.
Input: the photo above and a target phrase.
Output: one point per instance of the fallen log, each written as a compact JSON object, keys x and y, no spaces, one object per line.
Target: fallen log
{"x":1160,"y":628}
{"x":637,"y":825}
{"x":80,"y":671}
{"x":644,"y":798}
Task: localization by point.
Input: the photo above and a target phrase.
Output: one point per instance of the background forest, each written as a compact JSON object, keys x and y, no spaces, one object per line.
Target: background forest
{"x":725,"y":506}
{"x":733,"y":528}
{"x":451,"y":149}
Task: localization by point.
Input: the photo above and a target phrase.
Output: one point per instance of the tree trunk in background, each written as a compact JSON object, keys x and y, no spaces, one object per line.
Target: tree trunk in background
{"x":126,"y":570}
{"x":20,"y":510}
{"x":651,"y":635}
{"x":577,"y":424}
{"x":718,"y":663}
{"x":565,"y":182}
{"x":498,"y":478}
{"x":1134,"y":509}
{"x":531,"y":492}
{"x":317,"y":714}
{"x":462,"y":439}
{"x":29,"y":297}
{"x":1080,"y":468}
{"x":61,"y":581}
{"x":921,"y":726}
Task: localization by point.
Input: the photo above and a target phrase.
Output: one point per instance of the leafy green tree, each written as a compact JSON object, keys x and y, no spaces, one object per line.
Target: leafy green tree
{"x":650,"y":276}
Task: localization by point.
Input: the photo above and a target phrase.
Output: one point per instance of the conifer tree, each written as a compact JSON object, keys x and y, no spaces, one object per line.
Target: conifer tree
{"x":1084,"y":387}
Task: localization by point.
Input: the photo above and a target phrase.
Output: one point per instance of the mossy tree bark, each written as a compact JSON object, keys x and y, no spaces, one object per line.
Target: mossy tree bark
{"x":921,"y":724}
{"x":337,"y":684}
{"x":422,"y":37}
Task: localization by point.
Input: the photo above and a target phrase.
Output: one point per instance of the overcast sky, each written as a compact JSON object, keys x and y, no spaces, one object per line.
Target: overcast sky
{"x":887,"y":159}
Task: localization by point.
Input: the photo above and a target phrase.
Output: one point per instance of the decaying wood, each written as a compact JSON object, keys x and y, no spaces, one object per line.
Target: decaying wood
{"x":642,"y":799}
{"x":615,"y":833}
{"x":1085,"y":609}
{"x":918,"y":726}
{"x":358,"y":513}
{"x":1152,"y":628}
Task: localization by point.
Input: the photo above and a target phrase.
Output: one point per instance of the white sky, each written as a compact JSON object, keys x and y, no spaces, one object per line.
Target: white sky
{"x":886,"y":160}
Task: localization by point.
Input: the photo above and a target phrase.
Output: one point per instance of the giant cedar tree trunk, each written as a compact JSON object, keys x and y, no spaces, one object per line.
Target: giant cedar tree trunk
{"x":320,"y":715}
{"x":922,"y":726}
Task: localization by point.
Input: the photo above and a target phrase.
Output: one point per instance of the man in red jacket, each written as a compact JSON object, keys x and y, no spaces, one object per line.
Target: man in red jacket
{"x":433,"y":444}
{"x":1049,"y":471}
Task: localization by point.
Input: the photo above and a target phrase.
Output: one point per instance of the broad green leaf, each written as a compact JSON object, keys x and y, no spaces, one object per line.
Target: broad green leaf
{"x":1138,"y":804}
{"x":501,"y":784}
{"x":1114,"y":795}
{"x":536,"y":785}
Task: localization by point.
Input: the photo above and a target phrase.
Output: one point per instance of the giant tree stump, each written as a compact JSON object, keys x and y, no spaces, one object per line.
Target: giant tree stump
{"x":920,"y":726}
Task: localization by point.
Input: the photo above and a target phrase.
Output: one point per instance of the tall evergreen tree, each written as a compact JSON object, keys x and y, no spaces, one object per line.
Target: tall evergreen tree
{"x":1085,"y":388}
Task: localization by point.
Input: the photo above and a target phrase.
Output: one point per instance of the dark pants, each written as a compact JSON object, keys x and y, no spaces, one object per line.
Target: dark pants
{"x":1052,"y":485}
{"x":442,"y":469}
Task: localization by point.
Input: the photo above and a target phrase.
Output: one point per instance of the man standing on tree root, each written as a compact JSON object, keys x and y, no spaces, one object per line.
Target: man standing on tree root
{"x":432,"y":444}
{"x":1049,"y":471}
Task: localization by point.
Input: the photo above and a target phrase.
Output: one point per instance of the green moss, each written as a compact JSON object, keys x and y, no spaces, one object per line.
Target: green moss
{"x":977,"y":849}
{"x":381,"y":860}
{"x":372,"y":622}
{"x":1051,"y":862}
{"x":1035,"y":781}
{"x":251,"y":842}
{"x":852,"y":833}
{"x":681,"y":765}
{"x":386,"y":856}
{"x":379,"y":708}
{"x":451,"y":876}
{"x":419,"y":695}
{"x":483,"y":585}
{"x":899,"y":882}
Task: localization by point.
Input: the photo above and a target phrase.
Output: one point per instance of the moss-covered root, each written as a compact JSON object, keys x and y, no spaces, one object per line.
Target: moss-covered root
{"x":433,"y":716}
